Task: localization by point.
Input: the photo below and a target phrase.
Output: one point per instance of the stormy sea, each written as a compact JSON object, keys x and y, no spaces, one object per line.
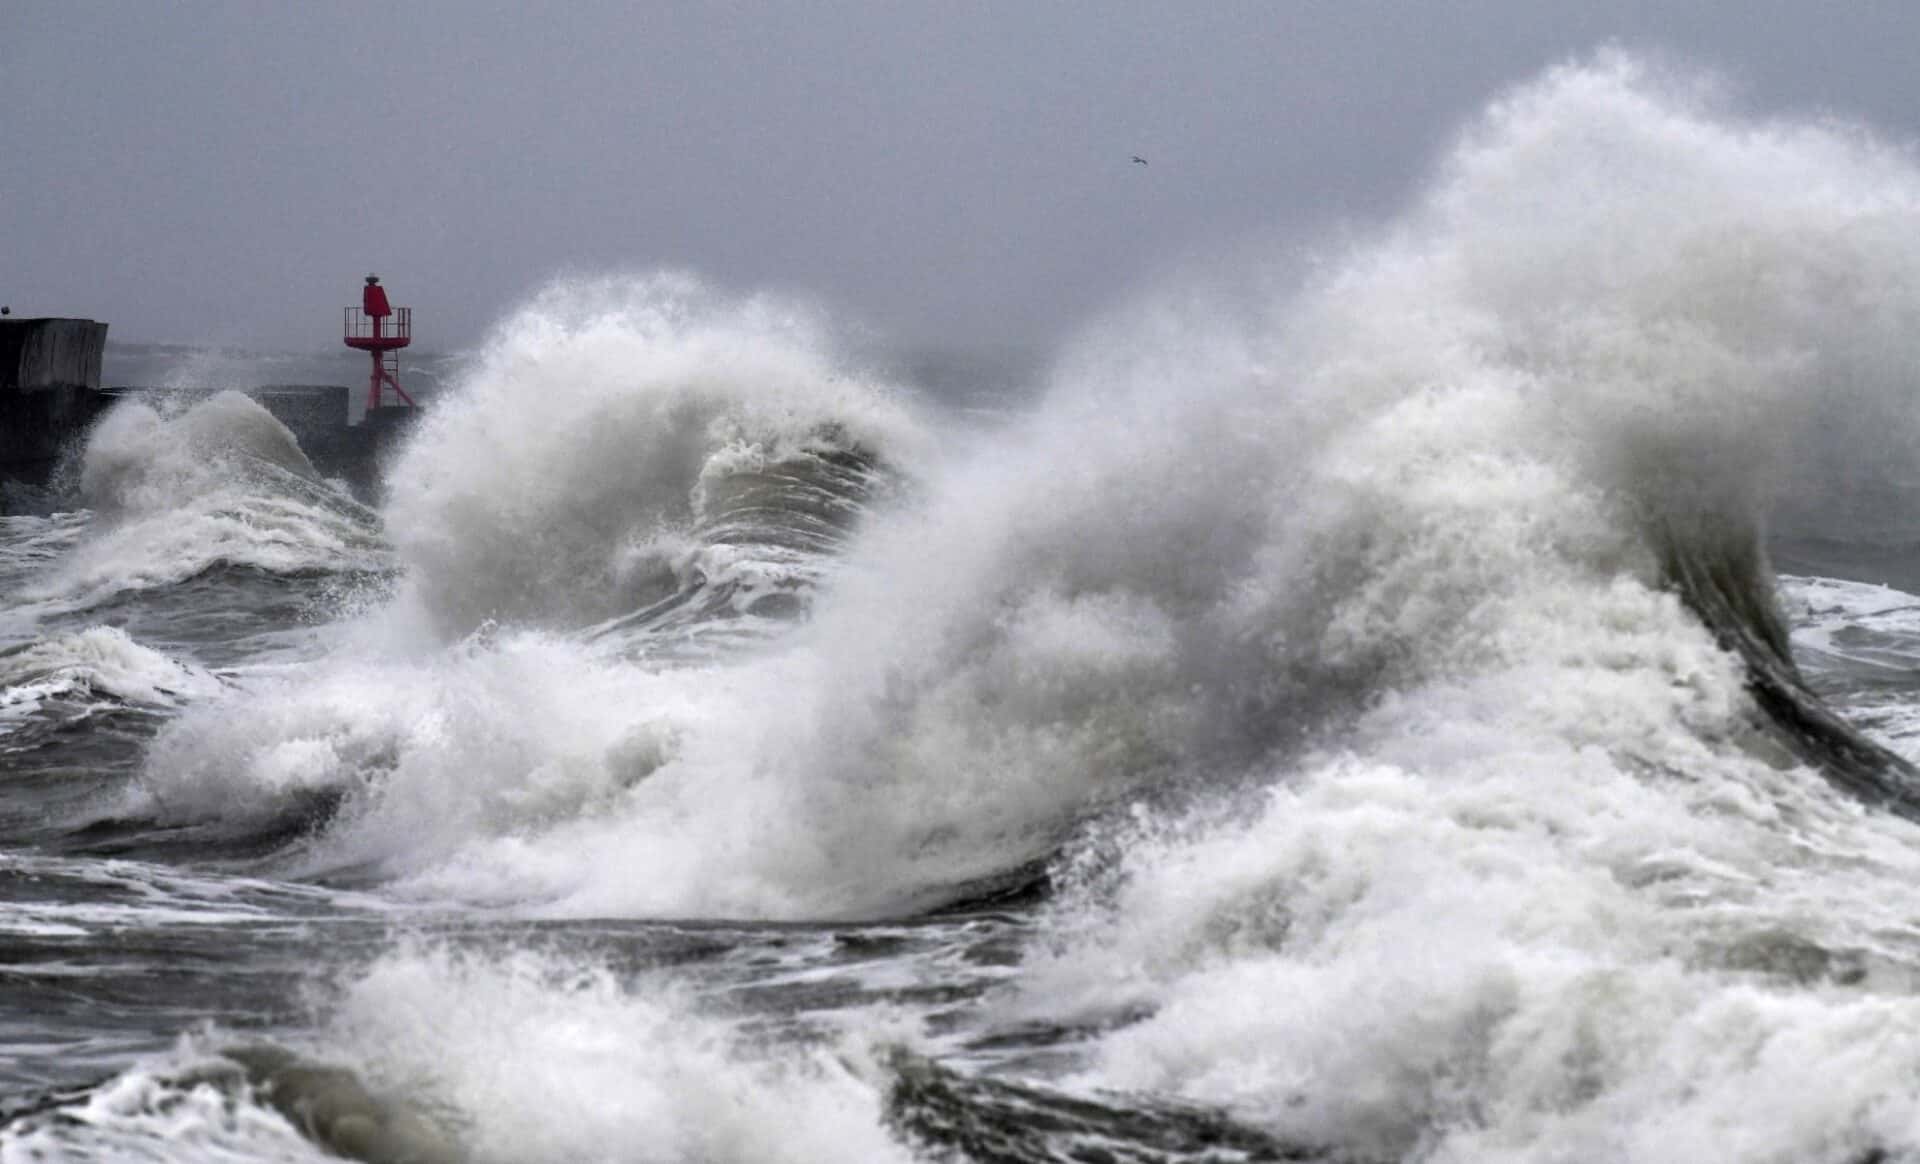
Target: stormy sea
{"x":1444,"y":692}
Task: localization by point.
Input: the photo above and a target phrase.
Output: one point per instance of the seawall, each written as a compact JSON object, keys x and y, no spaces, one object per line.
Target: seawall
{"x":49,"y":390}
{"x":50,"y":394}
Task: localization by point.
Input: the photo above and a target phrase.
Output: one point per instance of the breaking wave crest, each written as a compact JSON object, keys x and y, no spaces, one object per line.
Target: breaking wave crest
{"x":1492,"y":482}
{"x":98,"y":662}
{"x":637,"y":475}
{"x":1579,"y":870}
{"x":620,"y":438}
{"x":221,"y":483}
{"x":1386,"y":673}
{"x":435,"y":1056}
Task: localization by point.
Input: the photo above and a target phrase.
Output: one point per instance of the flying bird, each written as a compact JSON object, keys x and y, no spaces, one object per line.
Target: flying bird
{"x":1139,"y":159}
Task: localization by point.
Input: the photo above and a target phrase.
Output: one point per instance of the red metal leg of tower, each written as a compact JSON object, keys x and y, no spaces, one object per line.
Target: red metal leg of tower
{"x":402,"y":391}
{"x":381,"y":375}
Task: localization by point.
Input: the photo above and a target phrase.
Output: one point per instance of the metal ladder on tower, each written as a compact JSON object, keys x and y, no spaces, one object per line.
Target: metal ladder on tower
{"x":390,"y":379}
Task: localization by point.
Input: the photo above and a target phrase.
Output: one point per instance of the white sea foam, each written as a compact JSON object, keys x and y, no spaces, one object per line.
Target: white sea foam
{"x":99,"y":662}
{"x":158,"y":1112}
{"x":1550,"y":895}
{"x":1460,"y":836}
{"x":1854,"y":624}
{"x":1861,"y":642}
{"x":89,"y":897}
{"x":523,"y":1058}
{"x":588,"y":426}
{"x":29,"y":546}
{"x":1223,"y":526}
{"x":546,"y":1058}
{"x":497,"y":738}
{"x":220,"y":482}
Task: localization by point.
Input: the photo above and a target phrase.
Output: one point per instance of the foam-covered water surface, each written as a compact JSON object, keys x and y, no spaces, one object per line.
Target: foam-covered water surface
{"x":1347,"y":711}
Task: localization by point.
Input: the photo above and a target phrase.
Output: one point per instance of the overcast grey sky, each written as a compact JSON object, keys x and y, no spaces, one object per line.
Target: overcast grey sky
{"x":227,"y":173}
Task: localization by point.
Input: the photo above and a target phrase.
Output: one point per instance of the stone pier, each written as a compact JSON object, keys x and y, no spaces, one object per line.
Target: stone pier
{"x":49,"y":390}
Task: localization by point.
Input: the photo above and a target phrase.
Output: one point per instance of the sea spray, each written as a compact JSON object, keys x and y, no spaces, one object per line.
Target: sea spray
{"x":1424,"y":489}
{"x":98,"y":662}
{"x":1342,"y":651}
{"x":139,"y":461}
{"x":635,"y":468}
{"x":590,"y":425}
{"x":546,"y":1056}
{"x":1553,"y":889}
{"x":219,"y":483}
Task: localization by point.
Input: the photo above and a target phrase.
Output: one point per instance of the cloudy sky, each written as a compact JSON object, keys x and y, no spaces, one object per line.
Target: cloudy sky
{"x":950,"y":172}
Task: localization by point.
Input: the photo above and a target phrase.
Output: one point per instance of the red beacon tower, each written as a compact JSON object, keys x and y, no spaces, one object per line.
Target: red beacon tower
{"x":380,"y":331}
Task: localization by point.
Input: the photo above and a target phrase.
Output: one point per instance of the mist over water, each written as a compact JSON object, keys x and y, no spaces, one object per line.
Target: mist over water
{"x":1348,"y":720}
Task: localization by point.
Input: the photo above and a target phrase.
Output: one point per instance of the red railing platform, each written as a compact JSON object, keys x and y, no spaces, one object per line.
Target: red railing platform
{"x":379,"y":333}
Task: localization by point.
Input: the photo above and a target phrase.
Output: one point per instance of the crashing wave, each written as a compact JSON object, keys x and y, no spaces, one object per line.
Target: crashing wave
{"x":612,"y":421}
{"x":101,"y":661}
{"x":220,"y":484}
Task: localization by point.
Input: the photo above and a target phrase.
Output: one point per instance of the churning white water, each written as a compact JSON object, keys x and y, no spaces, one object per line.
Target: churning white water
{"x":1378,"y":670}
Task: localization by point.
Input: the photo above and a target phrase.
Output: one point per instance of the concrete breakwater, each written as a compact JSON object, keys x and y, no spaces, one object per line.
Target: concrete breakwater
{"x":49,"y":390}
{"x":50,"y":394}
